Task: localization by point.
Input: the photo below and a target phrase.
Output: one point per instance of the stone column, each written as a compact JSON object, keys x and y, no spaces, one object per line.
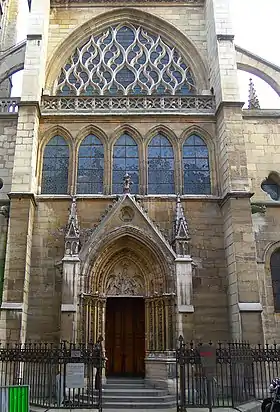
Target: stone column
{"x":70,"y":275}
{"x":184,"y":270}
{"x":17,"y":268}
{"x":69,"y":304}
{"x":240,"y":248}
{"x":24,"y":184}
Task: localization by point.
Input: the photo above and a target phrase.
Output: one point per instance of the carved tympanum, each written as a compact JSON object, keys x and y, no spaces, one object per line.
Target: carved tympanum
{"x":125,"y":279}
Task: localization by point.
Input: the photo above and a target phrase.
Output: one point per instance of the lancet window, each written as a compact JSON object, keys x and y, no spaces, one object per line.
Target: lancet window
{"x":125,"y":160}
{"x":55,"y":167}
{"x":196,"y":167}
{"x":90,"y":166}
{"x":160,"y":166}
{"x":275,"y":277}
{"x":126,"y":60}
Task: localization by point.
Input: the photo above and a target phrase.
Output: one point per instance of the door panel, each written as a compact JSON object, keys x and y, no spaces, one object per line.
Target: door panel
{"x":125,"y":336}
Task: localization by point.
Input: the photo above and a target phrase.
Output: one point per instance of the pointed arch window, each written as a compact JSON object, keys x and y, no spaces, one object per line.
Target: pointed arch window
{"x":125,"y":160}
{"x":90,"y":166}
{"x":275,"y":277}
{"x":55,"y":167}
{"x":196,"y":166}
{"x":160,"y":166}
{"x":126,"y":59}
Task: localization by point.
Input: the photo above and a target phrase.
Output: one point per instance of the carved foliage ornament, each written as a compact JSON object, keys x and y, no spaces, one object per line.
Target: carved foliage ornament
{"x":125,"y":60}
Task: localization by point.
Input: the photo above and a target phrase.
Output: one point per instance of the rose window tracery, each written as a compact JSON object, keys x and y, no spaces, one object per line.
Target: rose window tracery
{"x":126,"y":60}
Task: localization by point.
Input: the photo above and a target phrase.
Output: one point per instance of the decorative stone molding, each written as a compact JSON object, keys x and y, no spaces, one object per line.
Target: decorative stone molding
{"x":67,"y":2}
{"x":72,"y":236}
{"x":9,"y":105}
{"x":57,"y":105}
{"x":4,"y":210}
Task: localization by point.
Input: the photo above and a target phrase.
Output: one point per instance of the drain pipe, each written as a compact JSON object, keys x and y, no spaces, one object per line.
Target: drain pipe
{"x":4,"y":219}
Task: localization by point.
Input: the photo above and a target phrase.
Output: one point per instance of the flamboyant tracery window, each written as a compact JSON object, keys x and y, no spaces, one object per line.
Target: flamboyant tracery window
{"x":90,"y":166}
{"x":55,"y":167}
{"x":196,"y":168}
{"x":125,"y":160}
{"x":275,"y":277}
{"x":126,"y":60}
{"x":160,"y":166}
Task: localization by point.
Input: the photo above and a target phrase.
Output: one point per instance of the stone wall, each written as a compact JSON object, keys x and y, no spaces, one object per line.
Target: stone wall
{"x":210,"y":319}
{"x":7,"y":150}
{"x":262,"y":137}
{"x":189,"y":20}
{"x":267,"y":228}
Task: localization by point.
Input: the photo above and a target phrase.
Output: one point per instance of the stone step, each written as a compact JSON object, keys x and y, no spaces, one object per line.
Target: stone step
{"x":131,"y":393}
{"x":134,"y":392}
{"x":128,"y":385}
{"x":138,"y":399}
{"x":142,"y":406}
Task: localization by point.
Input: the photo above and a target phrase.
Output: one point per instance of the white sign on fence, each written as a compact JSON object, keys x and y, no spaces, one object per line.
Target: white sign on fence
{"x":75,"y":374}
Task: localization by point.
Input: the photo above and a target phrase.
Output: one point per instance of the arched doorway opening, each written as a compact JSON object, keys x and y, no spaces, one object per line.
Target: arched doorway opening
{"x":129,"y":299}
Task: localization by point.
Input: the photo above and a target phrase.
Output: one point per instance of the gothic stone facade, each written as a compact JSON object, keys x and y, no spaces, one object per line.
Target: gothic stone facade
{"x":191,"y":236}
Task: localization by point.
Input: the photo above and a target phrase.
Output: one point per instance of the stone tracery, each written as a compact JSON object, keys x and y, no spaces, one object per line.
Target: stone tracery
{"x":126,"y":60}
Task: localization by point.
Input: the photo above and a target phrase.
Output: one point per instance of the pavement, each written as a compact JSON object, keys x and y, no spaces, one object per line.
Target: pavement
{"x":254,"y":406}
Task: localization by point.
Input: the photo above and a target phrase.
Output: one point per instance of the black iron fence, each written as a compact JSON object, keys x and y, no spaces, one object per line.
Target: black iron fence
{"x":59,"y":376}
{"x":237,"y":373}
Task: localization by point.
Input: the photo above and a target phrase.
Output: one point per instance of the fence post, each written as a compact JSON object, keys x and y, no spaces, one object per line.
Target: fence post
{"x":182,"y":375}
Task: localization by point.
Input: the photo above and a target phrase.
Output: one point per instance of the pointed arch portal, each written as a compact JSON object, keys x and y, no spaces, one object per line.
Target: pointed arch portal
{"x":127,"y":300}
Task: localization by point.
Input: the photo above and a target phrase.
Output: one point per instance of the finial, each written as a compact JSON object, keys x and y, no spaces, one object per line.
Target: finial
{"x":181,"y":225}
{"x":181,"y":231}
{"x":72,"y":231}
{"x":127,"y":182}
{"x":253,"y":102}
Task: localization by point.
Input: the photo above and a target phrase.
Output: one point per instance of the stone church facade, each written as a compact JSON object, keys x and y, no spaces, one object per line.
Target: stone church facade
{"x":139,"y":199}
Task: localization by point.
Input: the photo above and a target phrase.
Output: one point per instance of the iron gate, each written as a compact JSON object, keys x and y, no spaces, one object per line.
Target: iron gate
{"x":44,"y":367}
{"x":230,"y":383}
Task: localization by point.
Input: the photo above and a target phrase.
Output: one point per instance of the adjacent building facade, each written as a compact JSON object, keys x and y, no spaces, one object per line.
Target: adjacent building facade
{"x":140,"y":201}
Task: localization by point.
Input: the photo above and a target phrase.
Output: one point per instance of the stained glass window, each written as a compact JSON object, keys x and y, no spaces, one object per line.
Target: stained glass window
{"x":160,"y":166}
{"x":125,"y":160}
{"x":275,"y":277}
{"x":55,"y":167}
{"x":126,"y":60}
{"x":90,"y":166}
{"x":196,"y":166}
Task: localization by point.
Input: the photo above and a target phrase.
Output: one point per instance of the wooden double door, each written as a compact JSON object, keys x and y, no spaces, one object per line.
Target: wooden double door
{"x":125,"y":336}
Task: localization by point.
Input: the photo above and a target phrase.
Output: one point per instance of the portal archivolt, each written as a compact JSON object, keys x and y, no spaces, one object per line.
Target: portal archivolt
{"x":128,"y":268}
{"x":130,"y":261}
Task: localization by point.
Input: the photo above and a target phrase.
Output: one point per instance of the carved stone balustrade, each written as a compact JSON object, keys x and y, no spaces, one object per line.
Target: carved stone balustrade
{"x":55,"y":105}
{"x":9,"y":105}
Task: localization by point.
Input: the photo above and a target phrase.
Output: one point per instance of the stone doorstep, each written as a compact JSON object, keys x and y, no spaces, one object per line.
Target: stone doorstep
{"x":254,"y":406}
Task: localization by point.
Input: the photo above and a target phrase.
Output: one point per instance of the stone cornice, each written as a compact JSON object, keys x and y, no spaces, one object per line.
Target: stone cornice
{"x":235,"y":195}
{"x":85,"y":2}
{"x":23,"y":195}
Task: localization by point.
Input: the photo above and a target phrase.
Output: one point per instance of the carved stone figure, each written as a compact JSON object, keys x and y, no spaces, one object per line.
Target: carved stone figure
{"x":125,"y":280}
{"x":127,"y":182}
